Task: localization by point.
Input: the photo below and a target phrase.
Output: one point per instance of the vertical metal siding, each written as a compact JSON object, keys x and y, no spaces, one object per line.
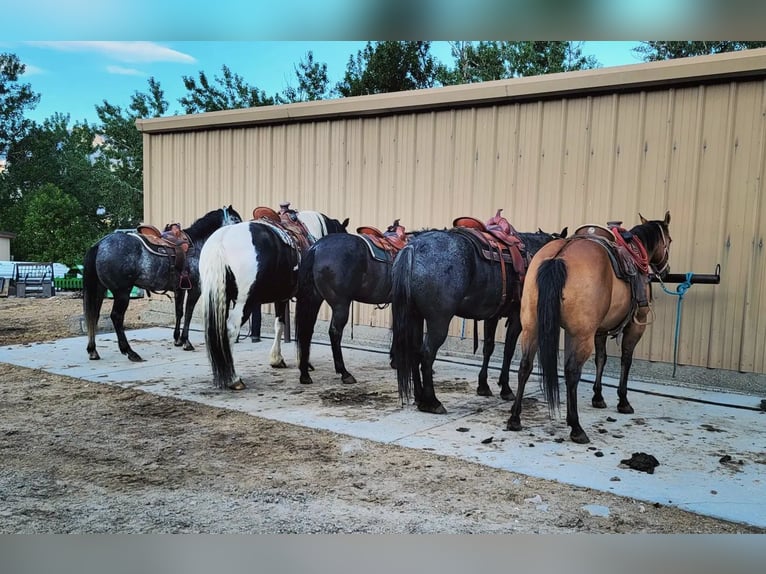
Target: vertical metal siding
{"x":698,"y":151}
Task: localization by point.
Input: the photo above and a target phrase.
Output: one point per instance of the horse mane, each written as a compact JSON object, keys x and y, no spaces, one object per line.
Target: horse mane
{"x":208,"y":223}
{"x":650,"y":233}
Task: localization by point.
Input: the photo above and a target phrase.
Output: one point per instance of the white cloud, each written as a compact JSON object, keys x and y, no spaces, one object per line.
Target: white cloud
{"x":124,"y":71}
{"x":30,"y":70}
{"x":123,"y":51}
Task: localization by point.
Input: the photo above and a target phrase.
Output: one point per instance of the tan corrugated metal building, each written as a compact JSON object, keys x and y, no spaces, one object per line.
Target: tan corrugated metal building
{"x":552,"y":151}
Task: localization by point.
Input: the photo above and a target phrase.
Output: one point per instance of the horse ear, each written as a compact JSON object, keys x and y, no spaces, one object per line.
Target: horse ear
{"x":643,"y":220}
{"x":564,"y":233}
{"x":345,"y":223}
{"x":667,"y":218}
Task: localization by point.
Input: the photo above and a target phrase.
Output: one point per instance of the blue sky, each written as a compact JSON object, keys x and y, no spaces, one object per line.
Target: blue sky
{"x":74,"y":76}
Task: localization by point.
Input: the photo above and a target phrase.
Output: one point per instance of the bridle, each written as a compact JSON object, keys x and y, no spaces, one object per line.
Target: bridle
{"x":662,"y":267}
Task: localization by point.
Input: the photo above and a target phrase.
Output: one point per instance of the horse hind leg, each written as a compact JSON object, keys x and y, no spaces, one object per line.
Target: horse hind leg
{"x":511,"y":336}
{"x":436,"y":334}
{"x":598,"y":398}
{"x":192,"y":296}
{"x":490,"y":326}
{"x":581,"y":350}
{"x":338,"y":322}
{"x":121,"y":301}
{"x":276,"y":360}
{"x":179,"y":306}
{"x":92,"y":303}
{"x":528,"y":352}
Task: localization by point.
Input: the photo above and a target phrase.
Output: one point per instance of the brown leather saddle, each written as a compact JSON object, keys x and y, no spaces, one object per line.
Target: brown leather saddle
{"x":288,"y":222}
{"x":384,"y":245}
{"x":158,"y":245}
{"x":496,"y":240}
{"x":627,"y":255}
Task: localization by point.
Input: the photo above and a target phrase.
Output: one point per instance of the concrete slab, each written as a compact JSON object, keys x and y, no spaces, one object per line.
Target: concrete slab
{"x":687,"y":430}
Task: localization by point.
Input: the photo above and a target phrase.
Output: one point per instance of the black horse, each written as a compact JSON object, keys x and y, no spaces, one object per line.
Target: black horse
{"x":247,"y":265}
{"x":338,"y":269}
{"x":120,"y":261}
{"x":440,"y":275}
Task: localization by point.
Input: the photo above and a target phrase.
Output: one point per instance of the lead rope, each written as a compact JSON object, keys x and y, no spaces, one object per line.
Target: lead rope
{"x":679,"y":292}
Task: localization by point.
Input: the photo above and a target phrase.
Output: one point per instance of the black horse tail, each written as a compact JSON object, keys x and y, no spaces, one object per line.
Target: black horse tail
{"x":551,"y":277}
{"x":404,"y":344}
{"x":308,"y":302}
{"x":92,"y":291}
{"x":215,"y":277}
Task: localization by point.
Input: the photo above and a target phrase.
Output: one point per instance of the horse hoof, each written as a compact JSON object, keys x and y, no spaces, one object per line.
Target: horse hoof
{"x":311,"y":367}
{"x":598,"y":404}
{"x":255,"y":339}
{"x":348,"y":379}
{"x":625,"y":409}
{"x":484,"y":391}
{"x":94,"y":356}
{"x":280,"y":365}
{"x":188,"y":346}
{"x":513,"y":425}
{"x":436,"y":409}
{"x":507,"y":395}
{"x":136,"y":358}
{"x":236,"y":386}
{"x":579,"y":437}
{"x":177,"y":343}
{"x":306,"y":380}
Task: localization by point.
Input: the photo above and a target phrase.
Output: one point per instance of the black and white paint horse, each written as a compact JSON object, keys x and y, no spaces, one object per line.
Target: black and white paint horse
{"x":437,"y":276}
{"x":119,"y":261}
{"x":244,"y":266}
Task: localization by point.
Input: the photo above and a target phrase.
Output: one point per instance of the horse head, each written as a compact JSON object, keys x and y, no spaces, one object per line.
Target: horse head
{"x":655,"y":236}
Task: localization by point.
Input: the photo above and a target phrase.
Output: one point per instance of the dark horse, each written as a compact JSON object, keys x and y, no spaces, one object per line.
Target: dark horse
{"x":247,"y":265}
{"x":338,"y":269}
{"x":571,"y":284}
{"x":120,"y":261}
{"x":440,"y":275}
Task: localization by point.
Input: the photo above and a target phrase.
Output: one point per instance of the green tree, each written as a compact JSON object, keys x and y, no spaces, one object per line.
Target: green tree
{"x":15,"y":99}
{"x":227,"y":92}
{"x":121,"y":156}
{"x":53,"y":228}
{"x":656,"y":50}
{"x":312,"y":82}
{"x":389,"y":66}
{"x":485,"y":61}
{"x":55,"y":155}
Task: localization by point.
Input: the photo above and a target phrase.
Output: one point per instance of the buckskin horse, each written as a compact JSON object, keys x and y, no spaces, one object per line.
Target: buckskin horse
{"x":339,"y":269}
{"x":246,"y":265}
{"x":592,"y":285}
{"x":446,"y":273}
{"x":119,"y":261}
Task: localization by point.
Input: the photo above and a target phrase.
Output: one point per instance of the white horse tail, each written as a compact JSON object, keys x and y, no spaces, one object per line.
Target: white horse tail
{"x":215,"y":277}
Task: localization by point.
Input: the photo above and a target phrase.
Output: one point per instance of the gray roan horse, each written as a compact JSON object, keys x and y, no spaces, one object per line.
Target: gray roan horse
{"x":440,"y":275}
{"x":246,"y":265}
{"x":119,"y":261}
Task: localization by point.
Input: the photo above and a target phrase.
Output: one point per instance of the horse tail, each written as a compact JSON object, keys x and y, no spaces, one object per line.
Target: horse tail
{"x":308,"y":302}
{"x":404,"y":344}
{"x":551,"y":277}
{"x":216,"y":279}
{"x":92,"y":291}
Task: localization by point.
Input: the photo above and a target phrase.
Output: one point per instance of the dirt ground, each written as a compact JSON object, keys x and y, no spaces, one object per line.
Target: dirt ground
{"x":81,"y":457}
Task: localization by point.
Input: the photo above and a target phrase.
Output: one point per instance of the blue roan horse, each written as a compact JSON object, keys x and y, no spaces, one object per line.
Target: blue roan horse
{"x":120,"y":261}
{"x":244,"y":266}
{"x":440,"y":275}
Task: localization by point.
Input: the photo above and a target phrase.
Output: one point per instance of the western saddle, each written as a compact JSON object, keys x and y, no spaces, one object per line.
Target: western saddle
{"x":158,"y":245}
{"x":287,"y":221}
{"x":384,"y":245}
{"x":497,"y":240}
{"x":627,"y":255}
